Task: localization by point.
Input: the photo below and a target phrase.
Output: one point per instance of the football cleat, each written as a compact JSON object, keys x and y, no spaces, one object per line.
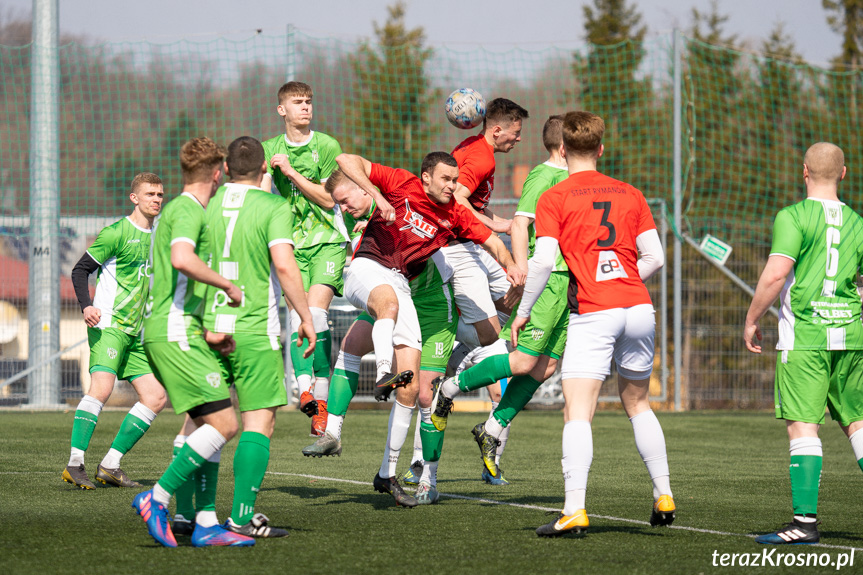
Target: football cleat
{"x":256,"y":527}
{"x":427,"y":494}
{"x":308,"y":404}
{"x":77,"y":477}
{"x":795,"y":533}
{"x":488,"y":449}
{"x":218,"y":536}
{"x":441,"y":405}
{"x":391,"y":485}
{"x":412,"y":475}
{"x":385,"y":385}
{"x":116,"y":477}
{"x":182,"y":526}
{"x":564,"y":524}
{"x":327,"y":444}
{"x":663,"y":512}
{"x":319,"y":420}
{"x":155,"y":515}
{"x":487,"y":477}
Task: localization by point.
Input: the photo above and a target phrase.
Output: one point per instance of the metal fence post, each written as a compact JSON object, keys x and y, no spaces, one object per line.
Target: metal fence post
{"x":678,"y":246}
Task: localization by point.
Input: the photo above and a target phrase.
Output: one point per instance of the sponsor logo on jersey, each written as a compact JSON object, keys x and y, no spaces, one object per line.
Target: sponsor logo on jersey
{"x":112,"y":353}
{"x":144,"y":270}
{"x":416,"y":223}
{"x":609,"y":267}
{"x":214,"y":379}
{"x":133,"y":241}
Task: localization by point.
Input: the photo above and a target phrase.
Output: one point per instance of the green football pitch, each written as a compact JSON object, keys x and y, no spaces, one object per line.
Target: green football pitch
{"x":729,"y":476}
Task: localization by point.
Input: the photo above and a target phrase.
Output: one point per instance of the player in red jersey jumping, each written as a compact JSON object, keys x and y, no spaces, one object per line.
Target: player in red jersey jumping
{"x":600,"y":225}
{"x":414,"y":218}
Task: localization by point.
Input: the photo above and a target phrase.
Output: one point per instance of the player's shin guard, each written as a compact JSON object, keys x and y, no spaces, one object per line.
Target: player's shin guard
{"x":134,"y":426}
{"x":303,"y":367}
{"x":201,"y":445}
{"x":399,"y":424}
{"x":323,"y":348}
{"x":250,"y":465}
{"x":856,"y":440}
{"x":650,"y":442}
{"x":805,"y":472}
{"x":432,"y":441}
{"x":343,"y":386}
{"x":576,"y":460}
{"x":86,"y":417}
{"x":485,"y":373}
{"x":518,"y":393}
{"x":185,"y":494}
{"x":206,"y":485}
{"x":382,"y":339}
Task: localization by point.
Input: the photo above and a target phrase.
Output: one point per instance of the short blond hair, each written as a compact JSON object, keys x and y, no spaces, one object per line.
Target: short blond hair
{"x":824,"y":162}
{"x":582,"y":133}
{"x":336,"y":179}
{"x":198,"y":158}
{"x":144,"y":178}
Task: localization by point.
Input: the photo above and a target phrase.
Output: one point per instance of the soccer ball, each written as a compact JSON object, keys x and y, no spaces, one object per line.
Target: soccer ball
{"x":465,"y":108}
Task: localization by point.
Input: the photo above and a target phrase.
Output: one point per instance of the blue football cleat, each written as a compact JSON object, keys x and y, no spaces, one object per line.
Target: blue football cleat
{"x":795,"y":533}
{"x":155,"y":515}
{"x":218,"y":536}
{"x":492,"y":480}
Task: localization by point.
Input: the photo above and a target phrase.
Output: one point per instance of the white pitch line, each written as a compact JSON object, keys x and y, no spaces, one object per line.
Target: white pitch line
{"x":539,"y":508}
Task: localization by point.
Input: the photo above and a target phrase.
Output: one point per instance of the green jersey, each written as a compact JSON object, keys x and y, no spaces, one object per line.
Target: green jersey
{"x":315,"y":159}
{"x":122,"y":251}
{"x":243,"y":223}
{"x":176,"y":302}
{"x":820,"y":305}
{"x":539,"y":180}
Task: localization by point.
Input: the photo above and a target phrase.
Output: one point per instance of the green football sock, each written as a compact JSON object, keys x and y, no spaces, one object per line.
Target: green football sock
{"x":206,"y":483}
{"x":185,"y":495}
{"x":485,"y":373}
{"x":250,"y":465}
{"x":432,"y":441}
{"x":183,"y":467}
{"x":518,"y":392}
{"x":82,"y":429}
{"x":302,"y":365}
{"x":805,"y":472}
{"x":860,"y":463}
{"x":321,"y":356}
{"x":343,"y":387}
{"x":131,"y":430}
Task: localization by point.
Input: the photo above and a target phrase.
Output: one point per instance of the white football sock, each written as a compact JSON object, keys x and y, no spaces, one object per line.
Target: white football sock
{"x":91,"y":405}
{"x":113,"y":457}
{"x":856,"y":440}
{"x":424,"y":415}
{"x":334,"y":425}
{"x":399,"y":424}
{"x":577,"y":457}
{"x":382,"y":339}
{"x":322,"y":388}
{"x":207,"y":442}
{"x":650,"y":442}
{"x":206,"y":518}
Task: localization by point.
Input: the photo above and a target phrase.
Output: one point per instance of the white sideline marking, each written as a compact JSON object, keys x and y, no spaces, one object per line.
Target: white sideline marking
{"x":539,"y":508}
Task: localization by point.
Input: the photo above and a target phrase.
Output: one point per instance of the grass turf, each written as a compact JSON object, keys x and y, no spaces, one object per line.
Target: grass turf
{"x":729,"y":474}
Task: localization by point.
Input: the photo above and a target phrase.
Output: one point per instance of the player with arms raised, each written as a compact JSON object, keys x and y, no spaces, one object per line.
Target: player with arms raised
{"x":298,"y":164}
{"x":121,"y":255}
{"x":814,"y":266}
{"x":600,"y":225}
{"x":415,"y":217}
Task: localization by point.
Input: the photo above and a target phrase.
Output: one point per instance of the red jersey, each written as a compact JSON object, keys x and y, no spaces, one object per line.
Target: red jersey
{"x":475,"y":159}
{"x":422,"y":226}
{"x":596,"y":220}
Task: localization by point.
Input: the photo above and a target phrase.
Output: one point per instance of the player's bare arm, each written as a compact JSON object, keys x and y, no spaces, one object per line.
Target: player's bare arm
{"x":186,"y":261}
{"x":312,"y":191}
{"x":766,"y":292}
{"x":495,"y":246}
{"x":520,"y":239}
{"x":359,"y":169}
{"x":292,"y":285}
{"x":462,"y":194}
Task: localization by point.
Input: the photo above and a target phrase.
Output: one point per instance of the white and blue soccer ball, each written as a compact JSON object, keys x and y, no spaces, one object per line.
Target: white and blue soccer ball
{"x":465,"y":108}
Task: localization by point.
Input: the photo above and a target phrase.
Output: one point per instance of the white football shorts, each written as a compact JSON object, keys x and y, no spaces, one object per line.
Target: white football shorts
{"x":478,"y":280}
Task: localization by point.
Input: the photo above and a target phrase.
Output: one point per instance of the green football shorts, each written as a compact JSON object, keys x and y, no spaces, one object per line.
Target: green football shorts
{"x":807,"y":381}
{"x":257,"y":370}
{"x":117,"y":352}
{"x":191,"y":377}
{"x":545,"y":332}
{"x":322,"y":264}
{"x":436,"y":310}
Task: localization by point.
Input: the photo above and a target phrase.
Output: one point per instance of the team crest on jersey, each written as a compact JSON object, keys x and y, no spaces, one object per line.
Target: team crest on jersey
{"x":112,"y":353}
{"x":416,"y":223}
{"x":446,"y":223}
{"x":315,"y":156}
{"x":537,"y":334}
{"x":609,"y":267}
{"x":214,"y":379}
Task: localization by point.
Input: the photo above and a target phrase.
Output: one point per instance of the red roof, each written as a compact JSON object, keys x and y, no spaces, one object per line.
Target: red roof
{"x":15,"y":279}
